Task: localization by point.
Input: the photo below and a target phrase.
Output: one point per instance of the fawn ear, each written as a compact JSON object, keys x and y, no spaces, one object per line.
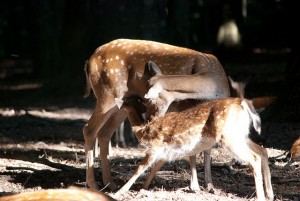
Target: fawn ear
{"x":153,"y":68}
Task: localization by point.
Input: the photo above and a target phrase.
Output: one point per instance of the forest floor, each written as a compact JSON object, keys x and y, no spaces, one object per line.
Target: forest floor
{"x":42,"y":147}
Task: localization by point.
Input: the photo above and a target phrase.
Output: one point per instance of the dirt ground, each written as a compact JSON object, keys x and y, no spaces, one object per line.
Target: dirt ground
{"x":42,"y":148}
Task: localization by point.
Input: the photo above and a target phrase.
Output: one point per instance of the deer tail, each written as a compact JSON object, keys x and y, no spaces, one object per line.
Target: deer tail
{"x":87,"y":85}
{"x":248,"y":107}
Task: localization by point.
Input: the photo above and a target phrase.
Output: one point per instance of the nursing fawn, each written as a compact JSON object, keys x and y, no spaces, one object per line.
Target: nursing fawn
{"x":179,"y":134}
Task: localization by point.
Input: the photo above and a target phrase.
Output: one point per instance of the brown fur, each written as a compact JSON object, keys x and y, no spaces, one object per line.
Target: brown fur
{"x":116,"y":69}
{"x":69,"y":194}
{"x":179,"y":134}
{"x":295,"y":150}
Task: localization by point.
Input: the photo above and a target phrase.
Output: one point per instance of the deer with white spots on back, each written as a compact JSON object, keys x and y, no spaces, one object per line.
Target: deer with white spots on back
{"x":116,"y":70}
{"x":179,"y":134}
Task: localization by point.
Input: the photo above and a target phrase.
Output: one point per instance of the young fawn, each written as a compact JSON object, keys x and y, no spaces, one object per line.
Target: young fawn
{"x":69,"y":194}
{"x":179,"y":134}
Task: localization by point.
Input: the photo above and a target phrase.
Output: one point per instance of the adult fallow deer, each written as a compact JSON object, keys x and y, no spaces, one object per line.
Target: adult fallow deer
{"x":115,"y":71}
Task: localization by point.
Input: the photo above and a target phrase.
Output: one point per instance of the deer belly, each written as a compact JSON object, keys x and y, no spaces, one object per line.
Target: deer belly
{"x":175,"y":151}
{"x":203,"y":145}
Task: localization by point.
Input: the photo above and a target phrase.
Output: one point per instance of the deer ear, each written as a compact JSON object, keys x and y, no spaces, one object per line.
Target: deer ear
{"x":233,"y":83}
{"x":230,"y":79}
{"x":153,"y":68}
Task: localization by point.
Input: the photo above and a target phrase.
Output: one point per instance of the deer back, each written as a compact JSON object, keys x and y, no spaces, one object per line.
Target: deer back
{"x":119,"y":65}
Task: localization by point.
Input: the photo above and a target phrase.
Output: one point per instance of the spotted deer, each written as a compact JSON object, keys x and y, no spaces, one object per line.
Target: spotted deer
{"x":186,"y":133}
{"x":115,"y":70}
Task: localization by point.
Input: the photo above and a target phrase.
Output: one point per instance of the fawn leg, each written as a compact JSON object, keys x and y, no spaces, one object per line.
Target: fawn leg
{"x":194,"y":185}
{"x":152,"y":173}
{"x":146,"y":162}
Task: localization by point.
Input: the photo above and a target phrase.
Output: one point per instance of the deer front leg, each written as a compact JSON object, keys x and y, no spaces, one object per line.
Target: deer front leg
{"x":152,"y":173}
{"x":104,"y":137}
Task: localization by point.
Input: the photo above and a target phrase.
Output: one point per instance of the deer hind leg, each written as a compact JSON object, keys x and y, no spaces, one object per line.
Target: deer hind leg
{"x":104,"y":136}
{"x":244,"y":152}
{"x":90,"y":131}
{"x":265,"y":167}
{"x":194,"y":185}
{"x":207,"y":170}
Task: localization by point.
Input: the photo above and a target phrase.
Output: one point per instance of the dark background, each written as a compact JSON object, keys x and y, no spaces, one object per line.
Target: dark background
{"x":45,"y":43}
